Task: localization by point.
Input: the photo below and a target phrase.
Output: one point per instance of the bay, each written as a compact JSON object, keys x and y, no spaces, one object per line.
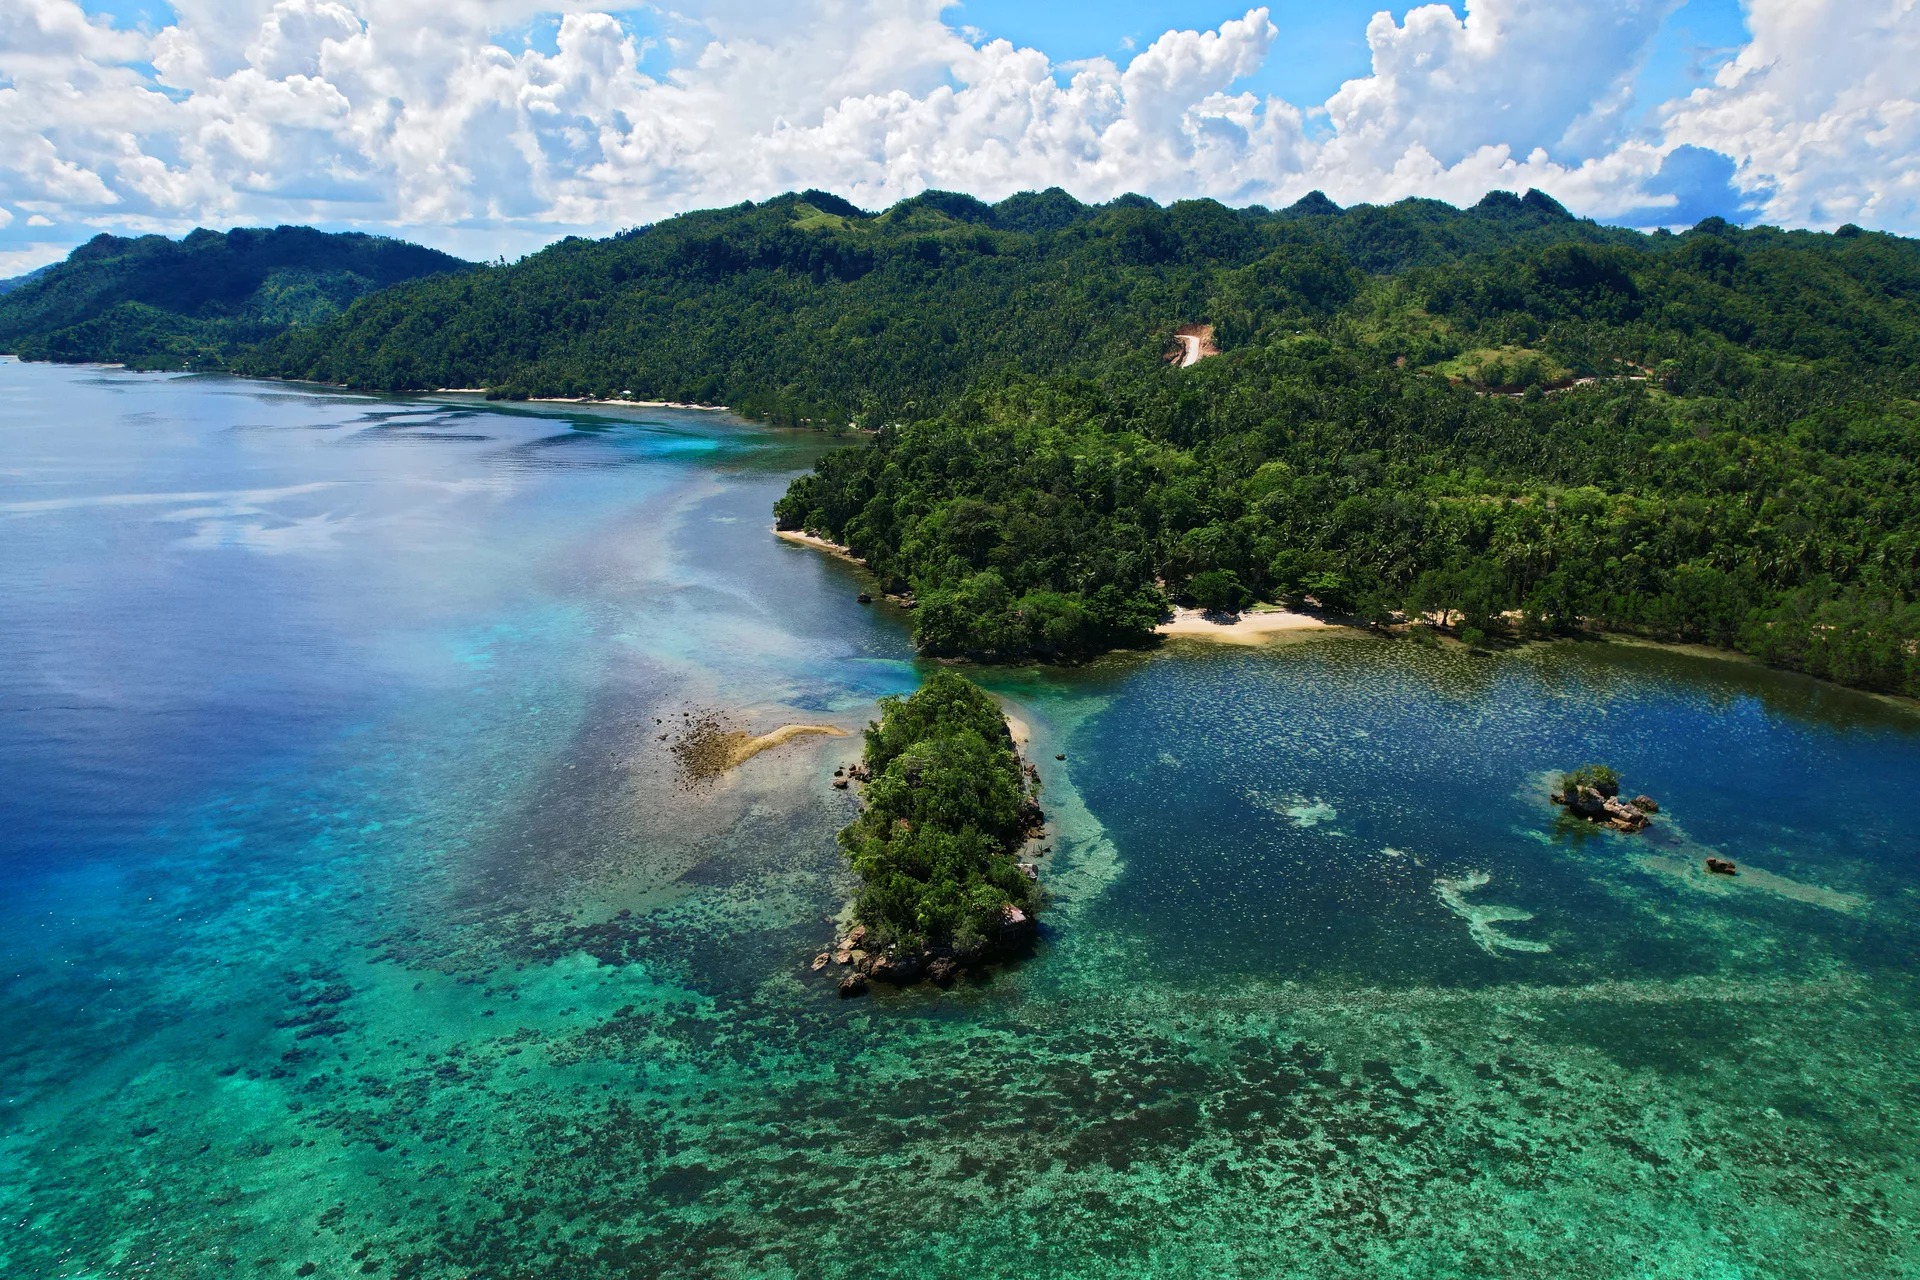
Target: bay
{"x":355,"y":917}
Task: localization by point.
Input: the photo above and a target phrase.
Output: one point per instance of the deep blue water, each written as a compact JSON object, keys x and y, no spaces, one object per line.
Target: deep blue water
{"x":354,"y":915}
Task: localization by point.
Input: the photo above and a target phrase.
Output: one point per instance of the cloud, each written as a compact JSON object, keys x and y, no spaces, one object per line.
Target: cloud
{"x":1820,"y":112}
{"x":1516,"y":73}
{"x":435,"y":118}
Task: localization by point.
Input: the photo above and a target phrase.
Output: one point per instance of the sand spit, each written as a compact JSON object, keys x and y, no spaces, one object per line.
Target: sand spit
{"x":1691,"y":873}
{"x":818,"y":544}
{"x":1246,"y":628}
{"x":707,"y":746}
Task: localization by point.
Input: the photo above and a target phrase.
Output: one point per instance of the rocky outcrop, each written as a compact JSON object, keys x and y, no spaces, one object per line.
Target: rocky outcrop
{"x":1722,"y":867}
{"x":1018,"y":932}
{"x":1606,"y":810}
{"x":900,"y":970}
{"x":867,"y":963}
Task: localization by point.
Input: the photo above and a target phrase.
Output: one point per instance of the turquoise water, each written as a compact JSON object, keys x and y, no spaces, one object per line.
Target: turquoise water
{"x":356,"y":921}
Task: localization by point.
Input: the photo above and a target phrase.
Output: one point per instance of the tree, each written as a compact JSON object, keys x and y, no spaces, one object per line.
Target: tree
{"x":1219,"y":591}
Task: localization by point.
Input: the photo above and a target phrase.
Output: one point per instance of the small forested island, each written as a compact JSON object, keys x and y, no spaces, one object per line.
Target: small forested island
{"x":948,"y":803}
{"x":1592,"y":792}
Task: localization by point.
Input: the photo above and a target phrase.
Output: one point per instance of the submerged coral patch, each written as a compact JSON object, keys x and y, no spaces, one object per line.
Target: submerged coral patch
{"x":1484,"y":919}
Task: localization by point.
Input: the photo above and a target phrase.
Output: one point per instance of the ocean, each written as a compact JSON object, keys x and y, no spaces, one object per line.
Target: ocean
{"x":356,"y":917}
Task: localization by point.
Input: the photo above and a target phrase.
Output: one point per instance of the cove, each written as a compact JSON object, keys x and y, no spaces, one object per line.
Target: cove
{"x":354,"y":918}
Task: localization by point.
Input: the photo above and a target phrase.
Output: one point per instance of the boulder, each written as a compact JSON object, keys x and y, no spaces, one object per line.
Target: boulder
{"x":943,"y":970}
{"x":854,"y":984}
{"x":901,"y":970}
{"x":1623,"y":816}
{"x":1645,"y":804}
{"x":1032,"y":816}
{"x":1017,"y":931}
{"x":865,"y":598}
{"x":1722,"y":867}
{"x":1590,"y":804}
{"x":843,"y":956}
{"x":857,"y":936}
{"x":839,"y":784}
{"x":820,"y":961}
{"x":1587,"y":803}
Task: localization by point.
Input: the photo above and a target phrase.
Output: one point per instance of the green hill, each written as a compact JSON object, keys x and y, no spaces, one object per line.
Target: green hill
{"x":806,"y":308}
{"x":151,"y":302}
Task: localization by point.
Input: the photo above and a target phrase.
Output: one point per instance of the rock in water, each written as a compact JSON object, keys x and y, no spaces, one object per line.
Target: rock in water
{"x":1722,"y":867}
{"x":820,"y":961}
{"x":943,"y":970}
{"x":1017,"y":932}
{"x":854,"y":984}
{"x":1645,"y":804}
{"x":901,"y":970}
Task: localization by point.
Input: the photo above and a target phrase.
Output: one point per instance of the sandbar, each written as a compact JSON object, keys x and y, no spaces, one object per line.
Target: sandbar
{"x":708,"y":748}
{"x":746,"y":748}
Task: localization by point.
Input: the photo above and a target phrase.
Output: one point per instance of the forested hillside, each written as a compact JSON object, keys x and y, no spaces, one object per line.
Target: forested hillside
{"x":1504,"y":418}
{"x":151,"y":302}
{"x":807,"y":309}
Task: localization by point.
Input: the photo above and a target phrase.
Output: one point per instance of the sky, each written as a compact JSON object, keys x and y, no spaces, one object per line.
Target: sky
{"x":492,"y":127}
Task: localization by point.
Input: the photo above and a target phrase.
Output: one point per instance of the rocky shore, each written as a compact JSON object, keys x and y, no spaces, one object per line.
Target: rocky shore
{"x":1593,"y":793}
{"x":865,"y":964}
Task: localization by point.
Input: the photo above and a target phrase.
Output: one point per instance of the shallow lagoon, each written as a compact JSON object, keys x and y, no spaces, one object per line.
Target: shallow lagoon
{"x":354,"y":916}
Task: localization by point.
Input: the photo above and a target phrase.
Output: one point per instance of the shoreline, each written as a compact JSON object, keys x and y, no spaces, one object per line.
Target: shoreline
{"x":631,"y":404}
{"x":798,"y":538}
{"x":1247,"y":628}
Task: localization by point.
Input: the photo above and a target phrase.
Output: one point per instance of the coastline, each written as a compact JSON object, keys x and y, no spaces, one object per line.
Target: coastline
{"x":631,"y":404}
{"x":819,"y":544}
{"x":1248,"y":628}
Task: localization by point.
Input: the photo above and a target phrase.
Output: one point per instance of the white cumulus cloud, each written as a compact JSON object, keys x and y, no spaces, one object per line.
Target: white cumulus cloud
{"x":438,"y":119}
{"x":1820,"y":112}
